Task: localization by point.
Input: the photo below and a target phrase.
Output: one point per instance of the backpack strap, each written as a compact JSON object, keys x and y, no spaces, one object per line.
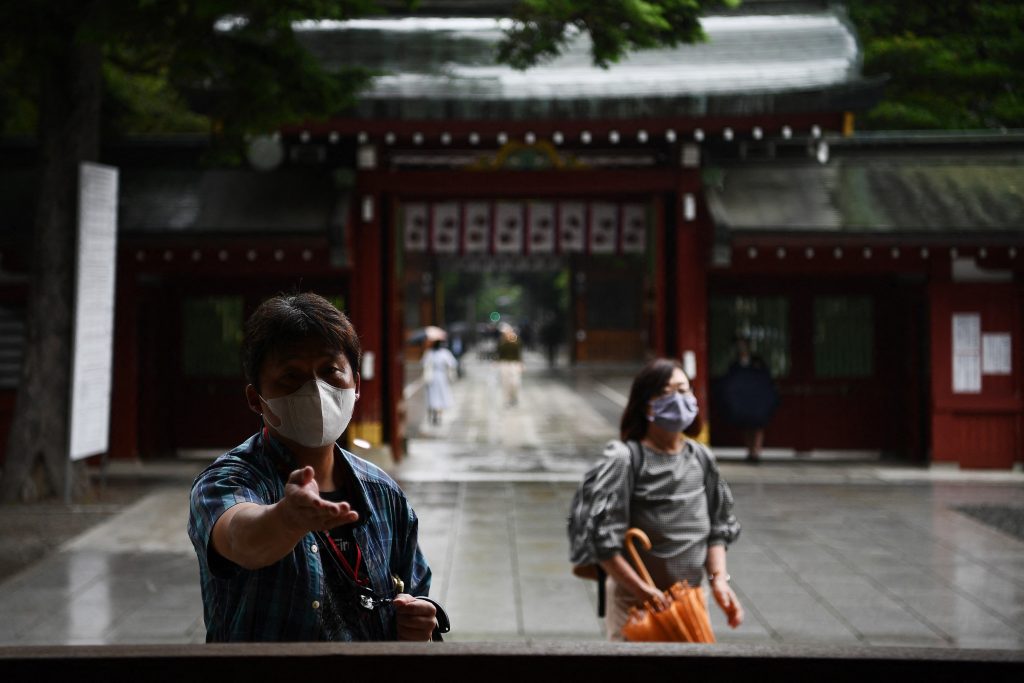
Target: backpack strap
{"x":705,"y":462}
{"x":636,"y":459}
{"x":710,"y":476}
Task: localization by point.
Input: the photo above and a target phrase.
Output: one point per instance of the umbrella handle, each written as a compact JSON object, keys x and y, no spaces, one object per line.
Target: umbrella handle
{"x":639,"y":535}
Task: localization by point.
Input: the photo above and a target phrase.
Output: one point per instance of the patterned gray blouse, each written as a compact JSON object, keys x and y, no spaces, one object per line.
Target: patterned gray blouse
{"x":669,"y":503}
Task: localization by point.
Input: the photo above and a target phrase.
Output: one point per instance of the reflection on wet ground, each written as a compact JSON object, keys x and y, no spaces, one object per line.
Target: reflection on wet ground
{"x":837,"y":564}
{"x":855,"y":554}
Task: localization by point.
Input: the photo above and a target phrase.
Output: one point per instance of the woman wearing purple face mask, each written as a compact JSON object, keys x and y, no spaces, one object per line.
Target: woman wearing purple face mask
{"x":669,"y":486}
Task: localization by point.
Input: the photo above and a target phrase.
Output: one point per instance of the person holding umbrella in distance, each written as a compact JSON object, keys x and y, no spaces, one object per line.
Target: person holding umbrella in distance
{"x":438,"y":364}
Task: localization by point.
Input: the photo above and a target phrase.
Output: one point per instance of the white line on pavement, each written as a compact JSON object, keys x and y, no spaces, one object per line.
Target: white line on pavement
{"x":412,"y":388}
{"x":612,"y":395}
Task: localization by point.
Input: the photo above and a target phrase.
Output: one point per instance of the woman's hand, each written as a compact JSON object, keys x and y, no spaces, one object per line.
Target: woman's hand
{"x":727,"y":600}
{"x":648,"y":593}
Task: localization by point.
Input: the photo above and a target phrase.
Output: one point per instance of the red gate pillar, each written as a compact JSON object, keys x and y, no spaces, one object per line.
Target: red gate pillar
{"x":366,"y":311}
{"x":393,"y":362}
{"x":688,"y":267}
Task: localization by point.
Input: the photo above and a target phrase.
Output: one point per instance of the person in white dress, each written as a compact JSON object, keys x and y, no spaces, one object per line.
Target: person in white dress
{"x":438,"y":363}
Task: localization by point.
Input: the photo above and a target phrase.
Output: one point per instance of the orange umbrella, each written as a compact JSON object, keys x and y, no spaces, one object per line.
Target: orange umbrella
{"x":684,"y":620}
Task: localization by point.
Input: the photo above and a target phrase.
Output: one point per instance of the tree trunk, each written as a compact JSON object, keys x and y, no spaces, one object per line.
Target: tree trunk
{"x":69,"y":124}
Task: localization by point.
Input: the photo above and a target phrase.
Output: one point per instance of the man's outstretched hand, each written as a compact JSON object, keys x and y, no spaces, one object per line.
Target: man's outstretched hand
{"x":304,"y":510}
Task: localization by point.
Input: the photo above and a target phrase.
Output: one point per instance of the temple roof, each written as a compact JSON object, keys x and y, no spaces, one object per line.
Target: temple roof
{"x":444,"y":67}
{"x":229,"y":201}
{"x":878,"y":192}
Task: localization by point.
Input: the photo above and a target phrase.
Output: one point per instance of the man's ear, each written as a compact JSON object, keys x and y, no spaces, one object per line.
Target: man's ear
{"x":358,"y":379}
{"x":252,"y":398}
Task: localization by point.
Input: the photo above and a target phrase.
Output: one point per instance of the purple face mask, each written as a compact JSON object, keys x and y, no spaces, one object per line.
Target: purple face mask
{"x":674,"y":412}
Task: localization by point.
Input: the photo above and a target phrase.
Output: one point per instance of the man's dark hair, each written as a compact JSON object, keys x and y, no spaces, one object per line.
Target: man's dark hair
{"x":285,"y":320}
{"x":648,"y":384}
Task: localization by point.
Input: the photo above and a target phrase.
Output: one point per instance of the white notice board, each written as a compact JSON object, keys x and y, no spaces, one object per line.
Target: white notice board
{"x":93,"y":316}
{"x":966,"y":353}
{"x":996,"y":354}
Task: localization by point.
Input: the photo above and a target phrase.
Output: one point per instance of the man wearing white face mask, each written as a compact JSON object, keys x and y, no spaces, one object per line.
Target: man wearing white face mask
{"x":298,"y":539}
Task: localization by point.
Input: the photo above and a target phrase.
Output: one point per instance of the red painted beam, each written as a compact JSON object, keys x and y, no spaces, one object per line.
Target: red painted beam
{"x":583,"y":183}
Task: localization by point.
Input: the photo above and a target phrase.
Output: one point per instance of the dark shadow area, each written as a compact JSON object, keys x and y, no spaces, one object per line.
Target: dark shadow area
{"x":525,"y":661}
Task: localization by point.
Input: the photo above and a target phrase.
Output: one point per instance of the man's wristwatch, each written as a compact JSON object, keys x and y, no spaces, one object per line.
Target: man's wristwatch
{"x":720,"y":575}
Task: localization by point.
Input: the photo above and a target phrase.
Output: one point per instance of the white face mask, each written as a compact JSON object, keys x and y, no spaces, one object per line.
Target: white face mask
{"x":314,"y":415}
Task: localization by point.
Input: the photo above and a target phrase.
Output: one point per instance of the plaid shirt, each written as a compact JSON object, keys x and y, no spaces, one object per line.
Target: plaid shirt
{"x":285,"y":601}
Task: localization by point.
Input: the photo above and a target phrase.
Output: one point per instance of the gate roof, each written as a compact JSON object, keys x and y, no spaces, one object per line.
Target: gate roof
{"x":806,"y":59}
{"x":966,"y":192}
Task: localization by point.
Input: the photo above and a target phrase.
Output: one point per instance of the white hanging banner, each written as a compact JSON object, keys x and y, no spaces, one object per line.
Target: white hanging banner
{"x":542,"y":228}
{"x":604,"y":224}
{"x":476,"y":235}
{"x":445,"y":234}
{"x":508,"y":228}
{"x":93,"y":337}
{"x":415,"y":227}
{"x":571,"y":227}
{"x":966,"y":353}
{"x":634,"y":229}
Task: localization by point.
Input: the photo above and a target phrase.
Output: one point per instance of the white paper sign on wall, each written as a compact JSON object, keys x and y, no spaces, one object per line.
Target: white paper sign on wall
{"x":996,"y":354}
{"x":966,"y":353}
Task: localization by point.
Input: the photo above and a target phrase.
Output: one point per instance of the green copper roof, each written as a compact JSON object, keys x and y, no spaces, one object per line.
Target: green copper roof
{"x":876,"y":192}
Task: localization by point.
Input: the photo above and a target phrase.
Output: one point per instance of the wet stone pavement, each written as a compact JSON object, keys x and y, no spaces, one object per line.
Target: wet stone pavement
{"x":831,"y":553}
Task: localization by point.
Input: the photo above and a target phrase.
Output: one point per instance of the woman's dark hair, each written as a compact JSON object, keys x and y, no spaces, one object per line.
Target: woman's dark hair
{"x":648,"y":384}
{"x":285,"y":320}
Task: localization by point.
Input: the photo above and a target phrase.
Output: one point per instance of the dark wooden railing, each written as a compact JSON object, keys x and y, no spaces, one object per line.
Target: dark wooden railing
{"x":497,"y":662}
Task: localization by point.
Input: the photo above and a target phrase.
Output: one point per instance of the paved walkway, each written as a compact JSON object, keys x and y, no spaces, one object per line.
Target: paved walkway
{"x":832,"y":553}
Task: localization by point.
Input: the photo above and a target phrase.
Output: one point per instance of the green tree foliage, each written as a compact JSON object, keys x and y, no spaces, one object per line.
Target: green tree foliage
{"x":172,"y":66}
{"x":541,"y":28}
{"x":228,"y":66}
{"x":953,"y":64}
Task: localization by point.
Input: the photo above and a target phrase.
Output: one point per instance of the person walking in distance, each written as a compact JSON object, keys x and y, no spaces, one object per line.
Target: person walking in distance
{"x":510,"y":364}
{"x":438,"y":363}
